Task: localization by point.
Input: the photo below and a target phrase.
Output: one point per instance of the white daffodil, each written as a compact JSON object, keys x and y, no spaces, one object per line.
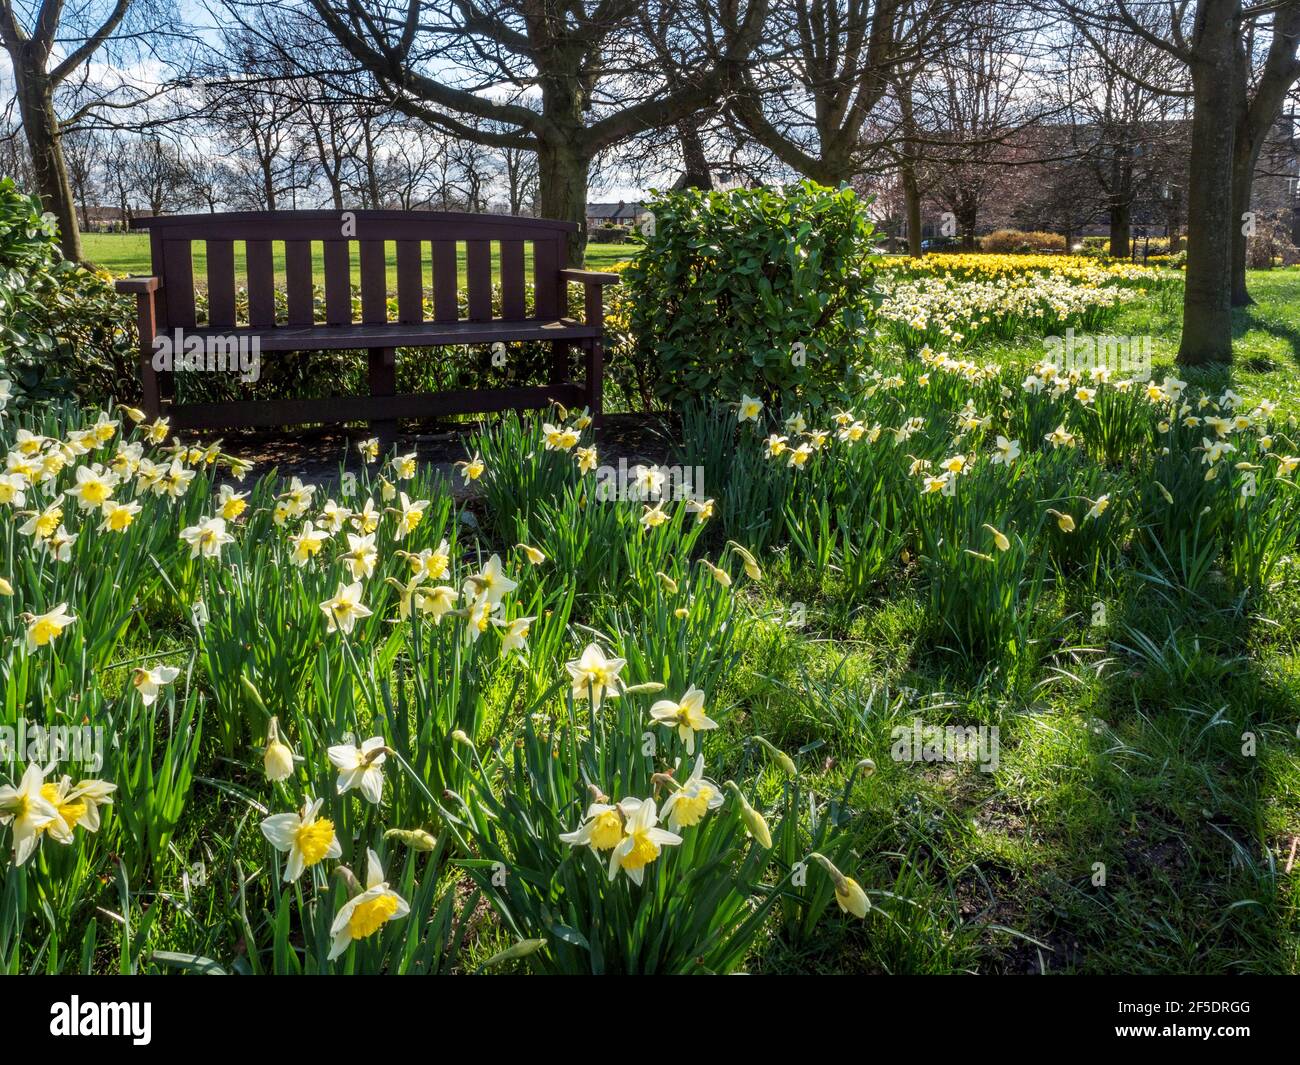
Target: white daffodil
{"x":26,"y":811}
{"x":695,"y":798}
{"x":360,"y":768}
{"x":148,"y":682}
{"x":602,"y":828}
{"x":361,"y":556}
{"x":94,"y":486}
{"x":641,"y":843}
{"x":363,"y":916}
{"x":306,"y":543}
{"x":344,"y":608}
{"x":207,"y":538}
{"x":687,"y":716}
{"x":515,"y":638}
{"x":595,"y":676}
{"x":44,"y":628}
{"x":490,"y":583}
{"x":303,"y":836}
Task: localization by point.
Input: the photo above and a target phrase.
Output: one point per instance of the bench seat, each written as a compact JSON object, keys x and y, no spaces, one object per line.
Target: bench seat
{"x":424,"y":334}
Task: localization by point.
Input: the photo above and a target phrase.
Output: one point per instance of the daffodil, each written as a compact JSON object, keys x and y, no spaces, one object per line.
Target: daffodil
{"x":999,"y":538}
{"x":587,"y":459}
{"x":278,"y":758}
{"x":437,"y":601}
{"x":26,"y":811}
{"x":304,"y":837}
{"x":117,"y":517}
{"x":686,"y":806}
{"x":207,"y":538}
{"x":749,"y":409}
{"x":490,"y":582}
{"x":686,"y":715}
{"x":410,"y":516}
{"x":361,"y":556}
{"x":363,"y":916}
{"x":1063,"y":521}
{"x":44,"y":628}
{"x":602,"y":827}
{"x":360,"y":768}
{"x":595,"y":676}
{"x":307,"y":543}
{"x":473,"y":469}
{"x":344,"y":608}
{"x":653,"y":517}
{"x":149,"y":682}
{"x":94,"y":486}
{"x":1098,"y":507}
{"x":231,"y":504}
{"x":369,"y":449}
{"x":1007,"y":451}
{"x":641,"y":844}
{"x":534,"y":556}
{"x":515,"y":638}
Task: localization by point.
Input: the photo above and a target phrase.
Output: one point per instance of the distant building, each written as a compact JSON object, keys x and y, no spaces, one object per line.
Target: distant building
{"x":615,"y":214}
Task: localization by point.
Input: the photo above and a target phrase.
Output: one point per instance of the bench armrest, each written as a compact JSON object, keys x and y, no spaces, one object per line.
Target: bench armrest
{"x":137,"y":286}
{"x":589,"y":277}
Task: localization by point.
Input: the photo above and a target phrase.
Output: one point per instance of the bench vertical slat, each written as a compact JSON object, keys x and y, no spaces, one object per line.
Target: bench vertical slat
{"x":374,"y":283}
{"x":338,"y":283}
{"x":512,"y":280}
{"x":178,"y":279}
{"x":478,"y":277}
{"x":546,"y":279}
{"x":297,"y":275}
{"x":410,"y":282}
{"x":221,"y":284}
{"x":261,"y":283}
{"x":445,"y":281}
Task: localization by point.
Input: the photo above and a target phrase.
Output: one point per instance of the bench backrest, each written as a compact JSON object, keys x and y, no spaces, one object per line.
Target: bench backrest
{"x":427,"y":245}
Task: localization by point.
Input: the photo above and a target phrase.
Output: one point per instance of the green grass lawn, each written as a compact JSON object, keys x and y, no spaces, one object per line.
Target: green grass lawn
{"x":1125,"y":763}
{"x":128,"y":253}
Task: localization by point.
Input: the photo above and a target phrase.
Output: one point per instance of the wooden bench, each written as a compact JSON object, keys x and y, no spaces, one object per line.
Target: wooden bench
{"x":422,"y":240}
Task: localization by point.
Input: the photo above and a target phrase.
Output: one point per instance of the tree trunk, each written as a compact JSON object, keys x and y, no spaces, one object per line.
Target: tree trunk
{"x":1120,"y":229}
{"x":1243,"y":174}
{"x":1207,"y":299}
{"x":562,"y":193}
{"x":36,"y":106}
{"x":695,"y":172}
{"x":912,"y":201}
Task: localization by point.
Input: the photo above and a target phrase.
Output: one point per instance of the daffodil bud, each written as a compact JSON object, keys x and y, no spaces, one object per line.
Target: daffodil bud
{"x":415,"y":838}
{"x":754,"y":821}
{"x":667,"y":583}
{"x":751,"y":563}
{"x":5,"y":587}
{"x":848,"y":892}
{"x":250,"y":689}
{"x":720,"y":575}
{"x":518,"y":950}
{"x":278,"y":759}
{"x":532,"y":554}
{"x":782,"y":759}
{"x":866,"y":767}
{"x":650,"y":687}
{"x":460,"y":736}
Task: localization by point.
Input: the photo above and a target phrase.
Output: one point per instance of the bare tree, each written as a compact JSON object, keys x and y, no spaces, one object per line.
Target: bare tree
{"x":564,"y":80}
{"x":50,"y":47}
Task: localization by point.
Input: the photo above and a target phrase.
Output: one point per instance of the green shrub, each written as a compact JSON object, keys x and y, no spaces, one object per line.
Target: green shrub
{"x":64,"y":332}
{"x":758,"y":291}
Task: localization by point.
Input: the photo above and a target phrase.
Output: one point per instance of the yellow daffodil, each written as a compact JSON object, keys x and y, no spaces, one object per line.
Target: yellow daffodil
{"x":306,"y":838}
{"x":363,"y":916}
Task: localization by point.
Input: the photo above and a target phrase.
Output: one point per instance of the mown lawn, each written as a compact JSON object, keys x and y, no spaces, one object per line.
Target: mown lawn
{"x":1125,"y":762}
{"x":128,"y":253}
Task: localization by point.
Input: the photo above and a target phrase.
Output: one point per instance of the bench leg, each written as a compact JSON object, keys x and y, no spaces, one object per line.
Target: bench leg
{"x":383,"y":382}
{"x":595,"y":379}
{"x":559,"y":362}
